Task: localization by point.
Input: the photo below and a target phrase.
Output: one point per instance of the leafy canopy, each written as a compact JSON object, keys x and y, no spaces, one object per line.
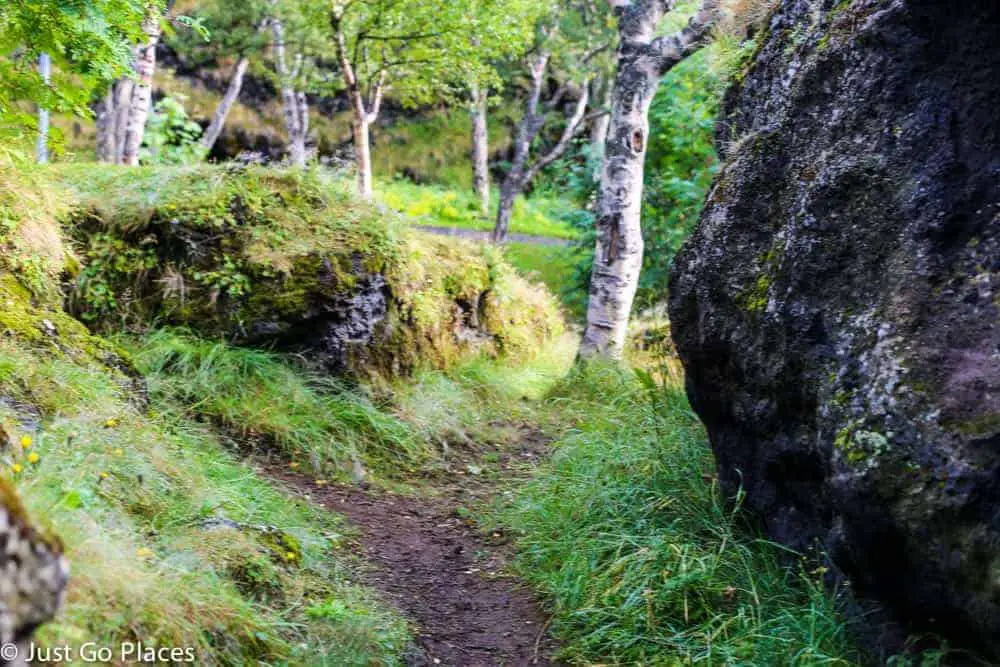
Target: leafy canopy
{"x":90,"y":43}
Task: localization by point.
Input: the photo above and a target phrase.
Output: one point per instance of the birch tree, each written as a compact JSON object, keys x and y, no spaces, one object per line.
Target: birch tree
{"x":230,"y":32}
{"x":142,"y":90}
{"x":643,"y":58}
{"x":417,"y":52}
{"x":294,"y":104}
{"x":566,"y":54}
{"x":42,"y":145}
{"x":87,"y":45}
{"x":502,"y":30}
{"x":122,"y":113}
{"x":481,"y":147}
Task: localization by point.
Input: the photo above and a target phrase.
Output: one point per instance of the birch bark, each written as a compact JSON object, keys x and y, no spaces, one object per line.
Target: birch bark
{"x":521,"y":174}
{"x":365,"y":111}
{"x":480,"y":149}
{"x":643,"y":59}
{"x":292,"y":101}
{"x":42,"y":147}
{"x":142,"y":92}
{"x":214,"y":129}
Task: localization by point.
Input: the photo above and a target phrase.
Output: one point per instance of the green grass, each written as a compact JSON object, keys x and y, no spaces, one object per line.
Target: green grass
{"x":259,"y":396}
{"x":554,"y":266}
{"x":439,"y":206}
{"x":627,"y":535}
{"x":129,"y":490}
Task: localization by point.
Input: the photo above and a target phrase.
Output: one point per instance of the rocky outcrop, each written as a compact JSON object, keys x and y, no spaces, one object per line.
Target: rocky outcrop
{"x":837,"y":308}
{"x":289,"y":259}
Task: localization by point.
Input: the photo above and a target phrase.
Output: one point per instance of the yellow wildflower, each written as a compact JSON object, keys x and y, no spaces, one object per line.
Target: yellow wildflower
{"x":290,"y":555}
{"x":16,"y":468}
{"x":26,"y":442}
{"x":33,"y":457}
{"x":104,"y":475}
{"x":111,"y":423}
{"x":143,"y":552}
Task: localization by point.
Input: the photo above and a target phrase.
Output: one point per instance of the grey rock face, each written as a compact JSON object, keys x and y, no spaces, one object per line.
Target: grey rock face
{"x":837,"y":308}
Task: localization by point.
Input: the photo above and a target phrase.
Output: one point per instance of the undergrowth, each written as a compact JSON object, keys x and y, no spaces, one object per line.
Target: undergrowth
{"x":626,"y":532}
{"x":172,"y":541}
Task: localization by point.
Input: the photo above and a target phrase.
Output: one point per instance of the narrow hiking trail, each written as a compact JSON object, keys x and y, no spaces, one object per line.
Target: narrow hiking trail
{"x":446,"y":576}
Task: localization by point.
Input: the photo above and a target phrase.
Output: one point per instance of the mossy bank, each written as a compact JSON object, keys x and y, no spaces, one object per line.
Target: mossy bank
{"x":290,"y":259}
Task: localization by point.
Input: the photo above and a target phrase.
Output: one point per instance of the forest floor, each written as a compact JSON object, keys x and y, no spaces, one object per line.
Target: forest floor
{"x":442,"y":571}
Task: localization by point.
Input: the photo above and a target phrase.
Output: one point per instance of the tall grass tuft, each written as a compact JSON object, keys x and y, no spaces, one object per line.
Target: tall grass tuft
{"x":261,"y":396}
{"x":626,"y":532}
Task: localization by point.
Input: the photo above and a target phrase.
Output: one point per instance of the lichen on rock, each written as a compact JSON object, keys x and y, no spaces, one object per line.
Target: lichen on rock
{"x":836,"y":310}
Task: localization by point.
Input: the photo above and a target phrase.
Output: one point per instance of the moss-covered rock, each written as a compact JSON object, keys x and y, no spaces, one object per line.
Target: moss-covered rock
{"x":291,"y":259}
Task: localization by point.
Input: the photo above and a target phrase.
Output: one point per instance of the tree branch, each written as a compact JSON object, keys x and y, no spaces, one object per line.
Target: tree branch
{"x":573,"y":128}
{"x":672,"y":49}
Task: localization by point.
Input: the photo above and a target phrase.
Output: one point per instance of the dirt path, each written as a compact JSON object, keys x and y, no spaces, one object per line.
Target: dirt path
{"x":441,"y":572}
{"x":479,"y":235}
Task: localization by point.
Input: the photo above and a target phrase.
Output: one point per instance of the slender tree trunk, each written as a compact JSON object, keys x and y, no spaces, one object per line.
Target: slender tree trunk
{"x":142,"y":94}
{"x":42,"y":148}
{"x":225,"y":106}
{"x":509,"y":191}
{"x":521,"y":174}
{"x":294,"y":105}
{"x":362,"y":151}
{"x":365,"y":111}
{"x":642,"y":60}
{"x":107,"y":147}
{"x":481,"y":149}
{"x":300,"y":153}
{"x":618,"y":257}
{"x":122,"y":95}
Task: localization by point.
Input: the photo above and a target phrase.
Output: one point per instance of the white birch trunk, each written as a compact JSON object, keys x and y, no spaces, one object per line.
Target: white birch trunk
{"x":142,"y":93}
{"x":122,"y":94}
{"x":293,"y":103}
{"x":365,"y":112}
{"x":521,"y":174}
{"x":214,"y":129}
{"x":362,"y":150}
{"x":42,"y":147}
{"x":481,"y":149}
{"x":642,"y":60}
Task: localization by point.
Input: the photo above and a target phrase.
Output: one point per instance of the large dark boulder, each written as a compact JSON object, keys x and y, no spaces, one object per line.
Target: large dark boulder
{"x":837,"y":308}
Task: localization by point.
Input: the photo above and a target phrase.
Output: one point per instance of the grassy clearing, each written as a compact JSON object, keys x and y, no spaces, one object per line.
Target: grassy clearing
{"x":143,"y":500}
{"x":442,"y":207}
{"x":626,"y":532}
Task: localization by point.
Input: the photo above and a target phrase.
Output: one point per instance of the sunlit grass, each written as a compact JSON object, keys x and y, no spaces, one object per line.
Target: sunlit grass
{"x":443,"y":207}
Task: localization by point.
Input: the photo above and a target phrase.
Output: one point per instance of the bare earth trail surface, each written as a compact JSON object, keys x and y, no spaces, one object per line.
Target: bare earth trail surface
{"x":480,"y":235}
{"x":446,"y":576}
